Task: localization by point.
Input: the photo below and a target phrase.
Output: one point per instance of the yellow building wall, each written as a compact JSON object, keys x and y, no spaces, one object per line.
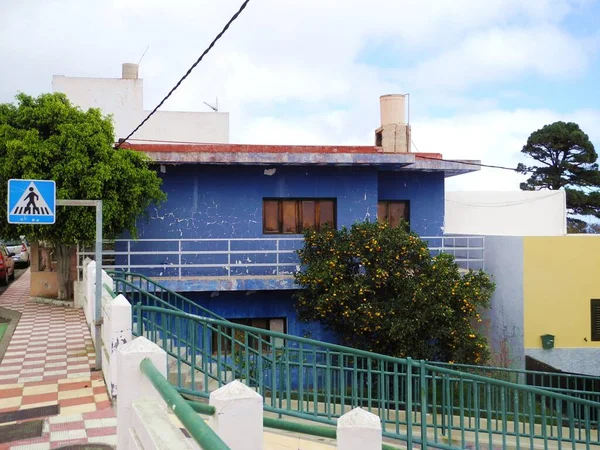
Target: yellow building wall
{"x":561,"y":274}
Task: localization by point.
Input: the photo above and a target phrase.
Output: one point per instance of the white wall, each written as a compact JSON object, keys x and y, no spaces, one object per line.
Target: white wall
{"x":123,"y":98}
{"x":503,"y":322}
{"x":510,"y":213}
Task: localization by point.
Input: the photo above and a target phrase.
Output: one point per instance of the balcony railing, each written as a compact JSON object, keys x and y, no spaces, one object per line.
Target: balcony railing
{"x":242,"y":257}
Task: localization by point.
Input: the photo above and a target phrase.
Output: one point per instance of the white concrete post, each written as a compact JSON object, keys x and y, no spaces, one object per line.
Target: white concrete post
{"x":90,"y":294}
{"x":116,"y":333}
{"x":359,"y":430}
{"x":238,"y":418}
{"x":133,"y":384}
{"x":80,"y":287}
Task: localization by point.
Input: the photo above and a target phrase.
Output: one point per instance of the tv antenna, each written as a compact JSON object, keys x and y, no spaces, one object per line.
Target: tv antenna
{"x":143,"y":54}
{"x":215,"y":108}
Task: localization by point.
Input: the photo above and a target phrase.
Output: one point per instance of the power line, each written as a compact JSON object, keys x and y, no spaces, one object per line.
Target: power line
{"x":505,"y":204}
{"x":468,"y":163}
{"x":165,"y":141}
{"x":204,"y":53}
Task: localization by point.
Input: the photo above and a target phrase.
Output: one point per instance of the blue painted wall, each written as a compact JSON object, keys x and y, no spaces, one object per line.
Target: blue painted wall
{"x":424,"y":190}
{"x":262,"y":304}
{"x":207,"y":202}
{"x":214,"y":202}
{"x":226,"y":201}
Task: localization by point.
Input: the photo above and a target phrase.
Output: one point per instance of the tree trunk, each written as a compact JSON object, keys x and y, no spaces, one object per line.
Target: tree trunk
{"x":63,"y":260}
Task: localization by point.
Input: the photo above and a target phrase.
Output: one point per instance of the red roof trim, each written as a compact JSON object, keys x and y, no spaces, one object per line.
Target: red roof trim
{"x":243,"y":148}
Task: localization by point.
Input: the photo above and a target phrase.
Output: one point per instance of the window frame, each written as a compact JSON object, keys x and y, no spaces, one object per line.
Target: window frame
{"x":299,"y":213}
{"x":390,"y":202}
{"x":247,"y":321}
{"x":594,"y":310}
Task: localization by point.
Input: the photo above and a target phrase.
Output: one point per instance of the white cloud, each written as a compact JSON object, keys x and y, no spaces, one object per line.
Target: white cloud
{"x":501,"y":54}
{"x":301,"y":57}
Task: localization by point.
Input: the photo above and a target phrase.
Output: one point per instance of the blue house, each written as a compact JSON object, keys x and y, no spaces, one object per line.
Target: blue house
{"x":227,"y":235}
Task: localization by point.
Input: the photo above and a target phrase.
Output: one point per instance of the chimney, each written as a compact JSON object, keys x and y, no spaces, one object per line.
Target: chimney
{"x":130,"y":71}
{"x":394,"y":133}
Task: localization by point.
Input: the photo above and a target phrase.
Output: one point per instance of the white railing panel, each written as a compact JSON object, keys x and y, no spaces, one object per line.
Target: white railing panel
{"x":244,"y":257}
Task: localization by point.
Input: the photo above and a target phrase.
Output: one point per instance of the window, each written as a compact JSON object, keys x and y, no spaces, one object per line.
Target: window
{"x":595,"y":320}
{"x":293,"y":216}
{"x":393,"y":211}
{"x":272,"y":324}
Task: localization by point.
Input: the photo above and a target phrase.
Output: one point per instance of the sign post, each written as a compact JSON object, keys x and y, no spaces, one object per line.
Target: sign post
{"x":34,"y":202}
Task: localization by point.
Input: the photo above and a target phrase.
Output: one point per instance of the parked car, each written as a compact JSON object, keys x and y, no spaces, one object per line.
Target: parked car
{"x":20,"y":248}
{"x":7,"y":265}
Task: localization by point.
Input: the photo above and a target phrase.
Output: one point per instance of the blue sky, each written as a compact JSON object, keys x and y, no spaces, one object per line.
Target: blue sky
{"x":482,"y":75}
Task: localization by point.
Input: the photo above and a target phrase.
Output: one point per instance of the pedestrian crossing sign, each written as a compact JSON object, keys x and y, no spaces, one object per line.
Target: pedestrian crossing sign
{"x":31,"y":201}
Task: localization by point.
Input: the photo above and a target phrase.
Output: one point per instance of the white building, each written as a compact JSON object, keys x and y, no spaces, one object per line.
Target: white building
{"x":510,"y":213}
{"x":123,"y":98}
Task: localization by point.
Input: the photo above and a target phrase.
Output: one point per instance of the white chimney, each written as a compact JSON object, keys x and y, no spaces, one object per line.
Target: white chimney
{"x":130,"y":71}
{"x":392,"y":109}
{"x":394,"y":133}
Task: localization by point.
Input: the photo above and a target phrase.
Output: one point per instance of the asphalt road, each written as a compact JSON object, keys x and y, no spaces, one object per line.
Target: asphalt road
{"x":18,"y":273}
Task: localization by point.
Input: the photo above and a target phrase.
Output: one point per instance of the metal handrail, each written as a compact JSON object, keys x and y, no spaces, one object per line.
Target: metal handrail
{"x":121,"y":277}
{"x":272,"y":249}
{"x":109,"y":290}
{"x":349,"y":351}
{"x":401,"y":391}
{"x":196,"y":427}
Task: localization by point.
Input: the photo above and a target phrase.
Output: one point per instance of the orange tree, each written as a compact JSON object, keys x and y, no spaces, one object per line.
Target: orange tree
{"x":379,"y":289}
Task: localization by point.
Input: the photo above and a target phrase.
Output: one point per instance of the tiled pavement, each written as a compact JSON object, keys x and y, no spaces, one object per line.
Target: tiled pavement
{"x":48,"y":362}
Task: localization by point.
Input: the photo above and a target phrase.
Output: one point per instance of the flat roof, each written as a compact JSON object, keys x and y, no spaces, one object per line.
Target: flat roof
{"x":301,"y":155}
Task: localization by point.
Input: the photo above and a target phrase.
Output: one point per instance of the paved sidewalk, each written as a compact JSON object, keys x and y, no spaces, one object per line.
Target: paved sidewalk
{"x":49,"y":361}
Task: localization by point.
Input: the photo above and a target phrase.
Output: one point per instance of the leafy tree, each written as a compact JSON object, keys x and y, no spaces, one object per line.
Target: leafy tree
{"x":582,"y":227}
{"x":380,"y":289}
{"x":47,"y":138}
{"x":565,"y":158}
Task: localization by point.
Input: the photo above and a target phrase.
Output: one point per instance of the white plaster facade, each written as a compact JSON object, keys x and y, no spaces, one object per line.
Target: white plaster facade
{"x":510,"y":213}
{"x":123,"y":98}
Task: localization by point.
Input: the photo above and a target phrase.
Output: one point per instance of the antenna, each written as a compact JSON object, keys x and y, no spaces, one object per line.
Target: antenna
{"x":143,"y":54}
{"x":214,"y":108}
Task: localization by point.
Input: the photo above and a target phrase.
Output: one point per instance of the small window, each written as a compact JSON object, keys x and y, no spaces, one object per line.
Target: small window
{"x":293,"y":216}
{"x":272,"y":324}
{"x":393,"y":211}
{"x":595,"y":320}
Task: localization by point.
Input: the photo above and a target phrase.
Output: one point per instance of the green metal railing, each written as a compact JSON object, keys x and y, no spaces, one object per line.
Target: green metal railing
{"x":151,"y":293}
{"x":195,"y":426}
{"x":320,"y":382}
{"x":141,"y":289}
{"x":580,"y":386}
{"x":419,"y":403}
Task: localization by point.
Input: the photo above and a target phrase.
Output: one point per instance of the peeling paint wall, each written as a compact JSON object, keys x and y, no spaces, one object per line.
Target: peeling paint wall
{"x":218,"y":202}
{"x":424,"y":190}
{"x":226,"y":201}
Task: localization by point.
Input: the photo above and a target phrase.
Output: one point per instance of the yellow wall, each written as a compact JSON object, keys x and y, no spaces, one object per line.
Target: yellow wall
{"x":560,"y":276}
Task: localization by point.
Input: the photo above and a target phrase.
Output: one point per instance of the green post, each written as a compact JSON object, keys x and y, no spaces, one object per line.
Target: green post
{"x":409,"y":424}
